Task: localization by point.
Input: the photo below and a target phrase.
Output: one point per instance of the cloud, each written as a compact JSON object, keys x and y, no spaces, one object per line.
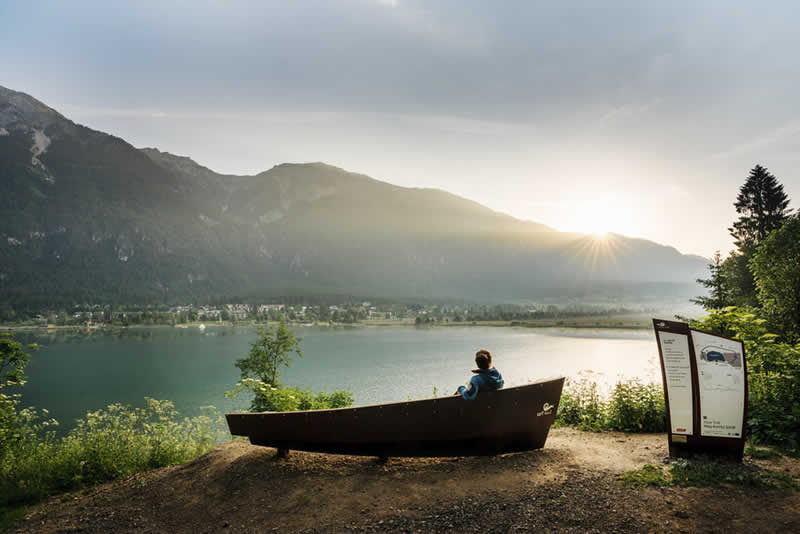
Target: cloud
{"x":760,"y":145}
{"x":276,"y":117}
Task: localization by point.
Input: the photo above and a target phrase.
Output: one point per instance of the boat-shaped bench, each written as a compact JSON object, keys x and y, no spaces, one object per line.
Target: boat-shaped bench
{"x":510,"y":419}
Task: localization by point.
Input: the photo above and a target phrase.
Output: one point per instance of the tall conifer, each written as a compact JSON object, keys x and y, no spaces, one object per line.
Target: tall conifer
{"x":762,"y":208}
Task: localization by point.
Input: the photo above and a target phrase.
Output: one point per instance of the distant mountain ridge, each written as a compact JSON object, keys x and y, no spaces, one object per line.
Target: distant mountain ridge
{"x":85,"y":215}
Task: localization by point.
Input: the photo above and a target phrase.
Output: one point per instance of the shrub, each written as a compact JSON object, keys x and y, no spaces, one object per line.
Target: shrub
{"x":581,"y":405}
{"x":267,"y":398}
{"x":631,"y":407}
{"x":776,"y":267}
{"x":105,"y":445}
{"x":636,"y":407}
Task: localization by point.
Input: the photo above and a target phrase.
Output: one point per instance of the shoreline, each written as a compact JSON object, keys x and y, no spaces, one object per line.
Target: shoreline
{"x":582,"y":322}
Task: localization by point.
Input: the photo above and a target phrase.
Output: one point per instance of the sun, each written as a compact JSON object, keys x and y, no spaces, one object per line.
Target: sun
{"x":598,"y":218}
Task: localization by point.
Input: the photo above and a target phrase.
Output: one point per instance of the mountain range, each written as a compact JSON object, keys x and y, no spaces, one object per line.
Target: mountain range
{"x":86,"y":216}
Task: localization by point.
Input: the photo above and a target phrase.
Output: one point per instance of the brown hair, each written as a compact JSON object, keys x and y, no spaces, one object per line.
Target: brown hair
{"x":483,"y":359}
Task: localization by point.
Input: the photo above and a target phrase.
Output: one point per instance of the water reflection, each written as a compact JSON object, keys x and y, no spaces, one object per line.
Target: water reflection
{"x":89,"y":335}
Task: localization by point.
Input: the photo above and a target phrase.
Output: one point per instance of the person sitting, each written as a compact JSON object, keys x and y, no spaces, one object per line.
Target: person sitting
{"x":486,"y":377}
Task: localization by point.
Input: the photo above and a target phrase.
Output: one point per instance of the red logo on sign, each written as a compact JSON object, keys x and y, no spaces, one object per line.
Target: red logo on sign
{"x":680,"y":430}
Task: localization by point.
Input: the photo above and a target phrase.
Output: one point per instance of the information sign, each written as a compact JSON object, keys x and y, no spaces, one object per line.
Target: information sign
{"x":705,"y":390}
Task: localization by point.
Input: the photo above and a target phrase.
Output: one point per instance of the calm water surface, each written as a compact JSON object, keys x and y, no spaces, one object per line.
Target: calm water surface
{"x":76,"y":372}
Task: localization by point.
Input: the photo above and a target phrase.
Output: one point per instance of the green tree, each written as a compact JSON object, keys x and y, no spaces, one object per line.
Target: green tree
{"x":13,"y":360}
{"x":776,"y":267}
{"x":735,"y":271}
{"x":717,"y":284}
{"x":260,"y":372}
{"x":762,"y":206}
{"x":268,"y":353}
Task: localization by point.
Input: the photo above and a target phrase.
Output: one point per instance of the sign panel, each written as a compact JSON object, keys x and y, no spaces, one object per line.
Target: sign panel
{"x":678,"y":375}
{"x":721,"y":381}
{"x":705,"y":390}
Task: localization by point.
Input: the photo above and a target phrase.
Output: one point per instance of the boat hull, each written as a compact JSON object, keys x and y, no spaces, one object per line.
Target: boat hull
{"x":511,"y":419}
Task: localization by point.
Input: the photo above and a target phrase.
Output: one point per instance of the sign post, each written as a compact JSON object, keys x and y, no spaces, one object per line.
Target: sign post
{"x":705,"y":390}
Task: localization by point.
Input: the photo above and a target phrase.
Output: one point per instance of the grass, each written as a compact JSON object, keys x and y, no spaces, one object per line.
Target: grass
{"x":761,"y":453}
{"x":647,"y":476}
{"x":707,"y":473}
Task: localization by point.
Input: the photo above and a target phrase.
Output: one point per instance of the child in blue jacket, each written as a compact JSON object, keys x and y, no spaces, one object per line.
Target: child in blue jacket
{"x":486,"y":377}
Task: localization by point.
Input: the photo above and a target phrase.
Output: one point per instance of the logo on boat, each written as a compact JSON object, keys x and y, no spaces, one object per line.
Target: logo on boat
{"x":547,"y":409}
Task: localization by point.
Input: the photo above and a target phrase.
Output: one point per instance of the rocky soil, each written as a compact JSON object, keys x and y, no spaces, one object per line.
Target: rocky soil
{"x":572,"y":485}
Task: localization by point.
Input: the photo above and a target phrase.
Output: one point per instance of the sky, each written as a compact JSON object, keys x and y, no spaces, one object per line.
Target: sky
{"x":640,"y":118}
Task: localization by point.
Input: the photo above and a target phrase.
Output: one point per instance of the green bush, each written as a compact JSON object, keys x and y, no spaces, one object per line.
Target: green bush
{"x":636,"y":407}
{"x":631,"y":407}
{"x":581,"y":405}
{"x":105,"y":445}
{"x":267,"y":398}
{"x":776,"y":268}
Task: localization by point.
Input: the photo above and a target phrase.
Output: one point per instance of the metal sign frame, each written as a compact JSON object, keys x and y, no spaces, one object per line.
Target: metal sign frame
{"x":681,"y":445}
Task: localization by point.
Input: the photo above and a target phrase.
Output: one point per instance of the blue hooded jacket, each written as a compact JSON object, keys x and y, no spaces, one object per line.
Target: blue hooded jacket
{"x":483,"y":379}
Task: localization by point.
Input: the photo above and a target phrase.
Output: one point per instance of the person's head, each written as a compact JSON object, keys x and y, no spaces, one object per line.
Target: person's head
{"x":483,"y":359}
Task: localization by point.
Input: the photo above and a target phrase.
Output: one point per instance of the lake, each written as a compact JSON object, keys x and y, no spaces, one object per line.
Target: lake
{"x":74,"y":372}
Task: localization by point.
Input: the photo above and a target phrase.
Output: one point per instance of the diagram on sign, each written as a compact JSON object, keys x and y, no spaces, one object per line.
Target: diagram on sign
{"x":721,"y":381}
{"x":718,"y":354}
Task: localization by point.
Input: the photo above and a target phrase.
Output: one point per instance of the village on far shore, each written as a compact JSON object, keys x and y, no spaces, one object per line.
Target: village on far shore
{"x":97,"y":316}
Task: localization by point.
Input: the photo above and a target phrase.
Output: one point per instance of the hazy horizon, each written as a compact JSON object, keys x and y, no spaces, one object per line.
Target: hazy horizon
{"x":638,"y":120}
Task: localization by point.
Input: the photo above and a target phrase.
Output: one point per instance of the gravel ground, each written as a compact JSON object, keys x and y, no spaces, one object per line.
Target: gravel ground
{"x":572,"y":485}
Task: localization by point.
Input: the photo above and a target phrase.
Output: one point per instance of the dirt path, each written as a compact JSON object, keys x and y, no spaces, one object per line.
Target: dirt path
{"x":570,"y":486}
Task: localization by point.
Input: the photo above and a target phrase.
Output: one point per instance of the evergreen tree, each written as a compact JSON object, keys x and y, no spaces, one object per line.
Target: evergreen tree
{"x":762,"y":206}
{"x":719,"y":293}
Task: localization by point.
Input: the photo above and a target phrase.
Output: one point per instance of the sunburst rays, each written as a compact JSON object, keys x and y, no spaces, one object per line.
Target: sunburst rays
{"x":600,"y":254}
